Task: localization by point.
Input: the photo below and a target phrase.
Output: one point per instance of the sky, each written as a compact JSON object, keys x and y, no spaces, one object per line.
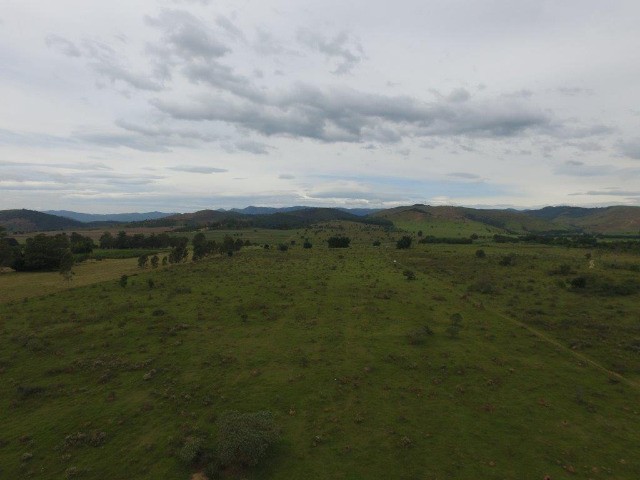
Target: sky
{"x":182,"y":105}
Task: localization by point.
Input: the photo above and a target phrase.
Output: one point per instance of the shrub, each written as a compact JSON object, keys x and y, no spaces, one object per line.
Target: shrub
{"x":455,"y":326}
{"x":376,"y":243}
{"x":123,"y":281}
{"x":191,"y":450}
{"x":480,"y":253}
{"x":419,"y":336}
{"x":338,"y":242}
{"x":579,"y":282}
{"x":507,"y":260}
{"x":404,"y":242}
{"x":283,"y":247}
{"x":244,"y":438}
{"x":307,"y":244}
{"x":409,"y":274}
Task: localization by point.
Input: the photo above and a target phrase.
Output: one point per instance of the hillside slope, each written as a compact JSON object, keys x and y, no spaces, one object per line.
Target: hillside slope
{"x":32,"y":221}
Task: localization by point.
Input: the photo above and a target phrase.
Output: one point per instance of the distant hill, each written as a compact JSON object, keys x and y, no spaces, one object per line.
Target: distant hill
{"x":462,"y":221}
{"x":32,"y":221}
{"x":295,"y":218}
{"x":361,"y":212}
{"x":616,"y":219}
{"x":109,"y":217}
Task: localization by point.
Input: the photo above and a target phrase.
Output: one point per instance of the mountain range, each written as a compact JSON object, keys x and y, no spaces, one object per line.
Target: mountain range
{"x":553,"y":219}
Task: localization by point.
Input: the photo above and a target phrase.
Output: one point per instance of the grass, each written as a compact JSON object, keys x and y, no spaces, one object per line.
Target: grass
{"x":321,"y":338}
{"x":20,"y":285}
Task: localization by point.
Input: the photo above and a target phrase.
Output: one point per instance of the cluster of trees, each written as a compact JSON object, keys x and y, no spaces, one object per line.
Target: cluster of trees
{"x":447,"y":240}
{"x":138,"y":240}
{"x":42,"y":252}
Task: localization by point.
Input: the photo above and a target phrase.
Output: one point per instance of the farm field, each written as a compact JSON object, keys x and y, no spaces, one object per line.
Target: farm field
{"x":473,"y":369}
{"x":20,"y":285}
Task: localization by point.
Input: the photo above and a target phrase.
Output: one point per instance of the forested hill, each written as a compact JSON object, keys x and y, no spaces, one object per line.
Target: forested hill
{"x":280,"y":220}
{"x":32,"y":221}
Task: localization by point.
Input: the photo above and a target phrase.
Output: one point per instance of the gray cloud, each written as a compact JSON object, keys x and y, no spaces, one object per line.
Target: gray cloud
{"x":62,"y":45}
{"x":347,"y":115}
{"x":465,"y":175}
{"x":574,"y":91}
{"x":459,"y":95}
{"x":630,"y":148}
{"x":613,"y":191}
{"x":184,"y":36}
{"x":250,"y":146}
{"x":347,"y":51}
{"x":198,"y":169}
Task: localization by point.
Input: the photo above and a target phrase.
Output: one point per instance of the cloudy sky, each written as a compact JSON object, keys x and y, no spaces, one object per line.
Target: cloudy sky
{"x":179,"y":105}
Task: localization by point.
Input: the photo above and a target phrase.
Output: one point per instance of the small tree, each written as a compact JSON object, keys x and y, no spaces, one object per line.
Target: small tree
{"x":404,"y":242}
{"x":66,"y":266}
{"x":480,"y":253}
{"x":123,"y":281}
{"x":143,"y":261}
{"x":244,"y":438}
{"x":154,"y":261}
{"x":307,"y":244}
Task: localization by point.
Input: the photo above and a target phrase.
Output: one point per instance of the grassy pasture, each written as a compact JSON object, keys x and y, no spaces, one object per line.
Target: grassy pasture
{"x":101,"y":381}
{"x":20,"y":285}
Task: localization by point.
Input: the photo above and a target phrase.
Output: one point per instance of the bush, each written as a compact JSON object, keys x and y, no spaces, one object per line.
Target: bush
{"x":455,"y":326}
{"x":307,"y":244}
{"x":419,"y":336}
{"x":191,"y":450}
{"x":404,"y":242}
{"x":244,"y":438}
{"x":409,"y":274}
{"x":338,"y":242}
{"x":507,"y":260}
{"x":283,"y":247}
{"x":579,"y":282}
{"x":480,"y":253}
{"x":376,"y":243}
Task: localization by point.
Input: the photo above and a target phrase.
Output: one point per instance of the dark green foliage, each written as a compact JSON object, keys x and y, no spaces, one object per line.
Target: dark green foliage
{"x":419,"y":335}
{"x":338,"y":242}
{"x":137,"y":241}
{"x":244,"y":438}
{"x":143,"y":261}
{"x":154,"y":261}
{"x":164,"y":261}
{"x":453,"y":330}
{"x":81,"y":244}
{"x":191,"y":450}
{"x":446,"y":240}
{"x":307,"y":244}
{"x":404,"y":242}
{"x":480,"y":253}
{"x":507,"y":260}
{"x":179,"y":252}
{"x":409,"y":274}
{"x":283,"y":247}
{"x":123,"y":281}
{"x":376,"y":243}
{"x":43,"y":252}
{"x":579,"y":282}
{"x":66,"y":265}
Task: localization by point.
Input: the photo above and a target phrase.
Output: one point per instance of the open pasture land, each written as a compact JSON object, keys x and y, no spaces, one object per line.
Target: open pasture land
{"x":20,"y":285}
{"x":473,"y":369}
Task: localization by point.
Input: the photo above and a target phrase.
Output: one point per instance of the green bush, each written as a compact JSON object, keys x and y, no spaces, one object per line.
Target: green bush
{"x":244,"y":438}
{"x":191,"y":450}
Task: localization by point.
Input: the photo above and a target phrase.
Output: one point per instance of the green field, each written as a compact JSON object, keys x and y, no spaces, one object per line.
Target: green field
{"x":540,"y":378}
